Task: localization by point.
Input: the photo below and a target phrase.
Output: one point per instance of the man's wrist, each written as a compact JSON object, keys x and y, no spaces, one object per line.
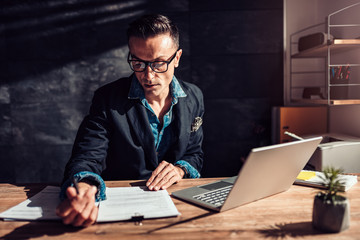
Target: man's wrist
{"x":90,"y":178}
{"x":84,"y":185}
{"x":191,"y":172}
{"x":89,"y":182}
{"x":183,"y":170}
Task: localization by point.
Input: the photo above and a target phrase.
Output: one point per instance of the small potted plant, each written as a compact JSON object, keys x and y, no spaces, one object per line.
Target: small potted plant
{"x":331,"y":211}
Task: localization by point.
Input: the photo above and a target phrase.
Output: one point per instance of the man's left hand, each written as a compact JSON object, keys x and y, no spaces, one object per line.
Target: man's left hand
{"x":165,"y":175}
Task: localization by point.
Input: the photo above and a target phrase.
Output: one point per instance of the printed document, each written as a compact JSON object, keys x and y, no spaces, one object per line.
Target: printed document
{"x":123,"y":203}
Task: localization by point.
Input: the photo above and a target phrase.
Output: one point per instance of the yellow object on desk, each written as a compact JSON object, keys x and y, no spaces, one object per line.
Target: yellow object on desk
{"x":306,"y":175}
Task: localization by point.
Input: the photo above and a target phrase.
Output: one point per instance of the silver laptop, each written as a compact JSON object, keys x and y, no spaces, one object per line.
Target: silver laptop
{"x":266,"y":171}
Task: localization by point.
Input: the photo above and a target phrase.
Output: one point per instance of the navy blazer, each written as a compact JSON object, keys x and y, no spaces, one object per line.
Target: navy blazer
{"x":115,"y":140}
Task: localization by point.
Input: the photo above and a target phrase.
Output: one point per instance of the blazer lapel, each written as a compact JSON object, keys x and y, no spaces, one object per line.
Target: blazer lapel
{"x":139,"y":122}
{"x":182,"y":123}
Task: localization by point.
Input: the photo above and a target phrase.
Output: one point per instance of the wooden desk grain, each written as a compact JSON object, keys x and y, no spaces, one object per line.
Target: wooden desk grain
{"x":286,"y":215}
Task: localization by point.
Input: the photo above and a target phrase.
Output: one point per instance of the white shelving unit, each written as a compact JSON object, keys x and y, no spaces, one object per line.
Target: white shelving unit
{"x":328,"y":52}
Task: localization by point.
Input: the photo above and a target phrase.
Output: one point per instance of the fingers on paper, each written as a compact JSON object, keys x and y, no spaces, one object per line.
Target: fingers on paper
{"x":154,"y":174}
{"x":163,"y":176}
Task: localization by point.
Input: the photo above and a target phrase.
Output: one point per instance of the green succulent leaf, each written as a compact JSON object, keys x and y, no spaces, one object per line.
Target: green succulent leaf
{"x":332,"y":183}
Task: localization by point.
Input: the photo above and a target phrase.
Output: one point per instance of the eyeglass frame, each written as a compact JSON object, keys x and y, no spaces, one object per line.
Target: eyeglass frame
{"x":148,"y":63}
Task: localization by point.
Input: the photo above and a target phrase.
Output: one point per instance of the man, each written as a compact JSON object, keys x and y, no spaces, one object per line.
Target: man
{"x":146,"y":126}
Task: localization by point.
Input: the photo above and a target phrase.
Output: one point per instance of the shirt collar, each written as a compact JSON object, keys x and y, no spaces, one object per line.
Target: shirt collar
{"x":137,"y":92}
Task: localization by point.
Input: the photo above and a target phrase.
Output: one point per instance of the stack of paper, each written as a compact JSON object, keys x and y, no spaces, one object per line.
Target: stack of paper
{"x":316,"y":179}
{"x":123,"y":203}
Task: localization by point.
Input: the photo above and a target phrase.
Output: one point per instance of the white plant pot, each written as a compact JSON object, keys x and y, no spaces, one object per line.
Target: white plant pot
{"x":331,"y":217}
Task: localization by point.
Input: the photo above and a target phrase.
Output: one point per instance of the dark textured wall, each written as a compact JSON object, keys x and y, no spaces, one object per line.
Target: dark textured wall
{"x":54,"y":54}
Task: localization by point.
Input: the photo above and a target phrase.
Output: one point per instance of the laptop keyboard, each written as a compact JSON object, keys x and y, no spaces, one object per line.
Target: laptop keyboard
{"x":216,"y":197}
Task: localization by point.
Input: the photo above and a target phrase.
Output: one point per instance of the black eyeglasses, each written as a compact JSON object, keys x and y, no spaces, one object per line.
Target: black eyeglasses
{"x":138,"y":65}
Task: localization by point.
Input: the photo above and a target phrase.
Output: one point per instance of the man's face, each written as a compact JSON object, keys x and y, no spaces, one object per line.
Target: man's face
{"x":158,"y":48}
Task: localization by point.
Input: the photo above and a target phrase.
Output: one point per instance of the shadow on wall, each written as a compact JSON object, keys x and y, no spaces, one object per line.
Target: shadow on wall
{"x":52,"y":33}
{"x":54,"y":54}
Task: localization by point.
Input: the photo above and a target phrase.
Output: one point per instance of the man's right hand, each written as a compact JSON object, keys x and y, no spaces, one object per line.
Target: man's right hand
{"x":79,"y":209}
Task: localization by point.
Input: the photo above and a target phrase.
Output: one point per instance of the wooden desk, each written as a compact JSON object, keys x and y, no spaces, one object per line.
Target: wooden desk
{"x":285,"y":215}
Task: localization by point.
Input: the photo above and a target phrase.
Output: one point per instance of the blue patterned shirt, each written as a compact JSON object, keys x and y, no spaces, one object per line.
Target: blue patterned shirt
{"x":162,"y":133}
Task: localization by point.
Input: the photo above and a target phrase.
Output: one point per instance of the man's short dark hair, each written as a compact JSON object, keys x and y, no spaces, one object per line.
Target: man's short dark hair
{"x":152,"y":25}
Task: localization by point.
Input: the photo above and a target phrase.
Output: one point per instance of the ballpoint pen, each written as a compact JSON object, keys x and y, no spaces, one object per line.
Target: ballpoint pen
{"x":75,"y":183}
